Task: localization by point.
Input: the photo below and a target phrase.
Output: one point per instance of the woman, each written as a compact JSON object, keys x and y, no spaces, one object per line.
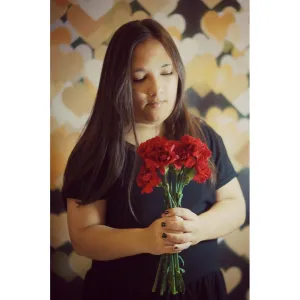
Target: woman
{"x":140,"y":96}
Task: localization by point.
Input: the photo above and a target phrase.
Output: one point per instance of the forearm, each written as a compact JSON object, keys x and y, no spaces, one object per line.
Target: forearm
{"x":100,"y":242}
{"x":221,"y":219}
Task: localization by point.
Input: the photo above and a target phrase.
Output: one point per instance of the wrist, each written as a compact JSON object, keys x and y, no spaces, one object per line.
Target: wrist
{"x":200,"y":232}
{"x":142,"y":240}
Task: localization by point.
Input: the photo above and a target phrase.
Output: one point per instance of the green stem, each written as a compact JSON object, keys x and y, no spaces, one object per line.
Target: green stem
{"x":179,"y":275}
{"x":162,"y":257}
{"x":174,"y":287}
{"x":164,"y":275}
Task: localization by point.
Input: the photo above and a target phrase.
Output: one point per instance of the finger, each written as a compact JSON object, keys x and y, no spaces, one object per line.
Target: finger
{"x":179,"y":226}
{"x":182,"y":212}
{"x":167,"y":243}
{"x":177,"y":238}
{"x":171,"y":250}
{"x":180,"y":247}
{"x":173,"y":224}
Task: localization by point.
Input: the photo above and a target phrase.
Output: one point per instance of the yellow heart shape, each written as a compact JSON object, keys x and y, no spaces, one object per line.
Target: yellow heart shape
{"x":60,"y":35}
{"x":57,"y":10}
{"x":59,"y":233}
{"x":79,"y":264}
{"x":215,"y":25}
{"x":238,"y":241}
{"x":229,"y":85}
{"x":243,"y":155}
{"x":62,"y":143}
{"x":65,"y":66}
{"x":211,"y":3}
{"x":155,"y":6}
{"x":60,"y":266}
{"x":201,"y":70}
{"x":80,"y":97}
{"x":232,"y":278}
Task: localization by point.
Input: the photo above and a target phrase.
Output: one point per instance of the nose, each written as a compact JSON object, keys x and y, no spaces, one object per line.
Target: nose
{"x":155,"y":89}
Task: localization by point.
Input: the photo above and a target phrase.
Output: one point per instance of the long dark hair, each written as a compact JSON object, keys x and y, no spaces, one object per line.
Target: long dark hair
{"x":103,"y":138}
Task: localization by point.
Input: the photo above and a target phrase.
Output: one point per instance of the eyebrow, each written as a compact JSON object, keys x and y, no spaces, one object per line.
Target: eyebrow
{"x":142,"y":69}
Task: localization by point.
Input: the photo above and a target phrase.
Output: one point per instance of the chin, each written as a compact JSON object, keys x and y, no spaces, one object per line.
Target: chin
{"x":156,"y":118}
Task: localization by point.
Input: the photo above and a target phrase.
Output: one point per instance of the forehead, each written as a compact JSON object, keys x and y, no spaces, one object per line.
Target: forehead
{"x":150,"y":52}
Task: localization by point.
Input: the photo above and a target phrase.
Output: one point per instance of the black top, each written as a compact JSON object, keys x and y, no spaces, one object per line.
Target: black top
{"x":138,"y":272}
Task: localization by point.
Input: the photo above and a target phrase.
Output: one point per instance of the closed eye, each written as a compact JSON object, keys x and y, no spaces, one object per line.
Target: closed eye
{"x":139,"y":80}
{"x":142,"y":79}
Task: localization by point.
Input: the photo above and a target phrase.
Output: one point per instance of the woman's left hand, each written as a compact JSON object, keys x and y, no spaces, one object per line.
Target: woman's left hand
{"x":186,"y":228}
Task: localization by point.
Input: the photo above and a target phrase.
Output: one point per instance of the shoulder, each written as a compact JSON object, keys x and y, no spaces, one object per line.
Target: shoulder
{"x":209,"y":135}
{"x":213,"y":140}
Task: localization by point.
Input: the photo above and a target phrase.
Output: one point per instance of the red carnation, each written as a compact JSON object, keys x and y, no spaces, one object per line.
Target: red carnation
{"x":147,"y":179}
{"x":189,"y":151}
{"x":203,"y":172}
{"x":156,"y":154}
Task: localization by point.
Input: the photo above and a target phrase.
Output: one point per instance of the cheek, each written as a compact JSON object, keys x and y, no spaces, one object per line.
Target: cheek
{"x":139,"y":99}
{"x":172,"y":89}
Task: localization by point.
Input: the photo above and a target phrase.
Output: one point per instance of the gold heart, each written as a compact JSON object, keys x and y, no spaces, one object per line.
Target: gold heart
{"x":201,"y":70}
{"x":100,"y":52}
{"x":79,"y":264}
{"x":211,"y":3}
{"x":59,"y":233}
{"x":80,"y":97}
{"x":232,"y":278}
{"x":202,"y":89}
{"x":55,"y":88}
{"x":60,"y":35}
{"x":194,"y":111}
{"x":155,"y":6}
{"x":53,"y":124}
{"x":65,"y":66}
{"x":139,"y":15}
{"x":60,"y":266}
{"x":215,"y":25}
{"x":236,"y":53}
{"x":62,"y":142}
{"x":243,"y":156}
{"x":228,"y":85}
{"x":174,"y":32}
{"x":57,"y":10}
{"x":226,"y":123}
{"x":238,"y":241}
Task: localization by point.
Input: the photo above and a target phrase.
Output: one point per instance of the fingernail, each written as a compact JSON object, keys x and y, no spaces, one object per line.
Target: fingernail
{"x":163,"y":224}
{"x":166,"y":212}
{"x":164,"y":236}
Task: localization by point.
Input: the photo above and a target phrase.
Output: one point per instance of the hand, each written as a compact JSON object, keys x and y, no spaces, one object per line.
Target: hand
{"x":156,"y":238}
{"x":185,"y":226}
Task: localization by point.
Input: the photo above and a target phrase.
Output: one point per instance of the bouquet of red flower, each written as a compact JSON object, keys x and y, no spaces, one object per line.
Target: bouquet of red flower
{"x":187,"y":159}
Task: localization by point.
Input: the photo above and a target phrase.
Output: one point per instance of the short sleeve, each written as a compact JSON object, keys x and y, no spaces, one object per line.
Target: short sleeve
{"x":225,"y":171}
{"x":79,"y":192}
{"x":82,"y":190}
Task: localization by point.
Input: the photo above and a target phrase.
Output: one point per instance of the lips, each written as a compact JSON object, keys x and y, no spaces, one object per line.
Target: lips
{"x":155,"y":104}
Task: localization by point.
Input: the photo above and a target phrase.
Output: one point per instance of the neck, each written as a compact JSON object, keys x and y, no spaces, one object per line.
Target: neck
{"x":145,"y":132}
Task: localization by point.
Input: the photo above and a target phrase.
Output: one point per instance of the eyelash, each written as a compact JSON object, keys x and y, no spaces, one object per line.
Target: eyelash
{"x":140,"y":80}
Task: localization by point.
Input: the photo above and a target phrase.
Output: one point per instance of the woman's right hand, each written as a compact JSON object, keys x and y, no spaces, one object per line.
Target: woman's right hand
{"x":155,"y":242}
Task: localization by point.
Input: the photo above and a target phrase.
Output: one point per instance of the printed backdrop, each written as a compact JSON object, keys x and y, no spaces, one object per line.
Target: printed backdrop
{"x":213,"y":39}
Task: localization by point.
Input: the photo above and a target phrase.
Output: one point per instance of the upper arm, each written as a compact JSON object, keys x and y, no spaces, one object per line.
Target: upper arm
{"x":83,"y":216}
{"x":230,"y":191}
{"x":227,"y":184}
